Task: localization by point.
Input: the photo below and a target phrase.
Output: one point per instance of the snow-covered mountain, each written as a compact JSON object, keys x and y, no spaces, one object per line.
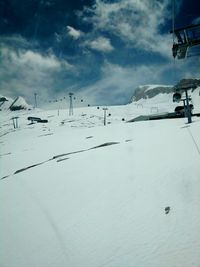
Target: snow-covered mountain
{"x":153,"y":90}
{"x":159,"y":98}
{"x":5,"y":102}
{"x":149,"y":91}
{"x":18,"y":103}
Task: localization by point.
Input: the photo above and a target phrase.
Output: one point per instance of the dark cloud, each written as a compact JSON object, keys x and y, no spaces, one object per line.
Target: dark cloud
{"x":43,"y":16}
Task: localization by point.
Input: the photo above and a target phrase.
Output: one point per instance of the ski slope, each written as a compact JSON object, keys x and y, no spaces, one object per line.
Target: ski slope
{"x":76,"y":193}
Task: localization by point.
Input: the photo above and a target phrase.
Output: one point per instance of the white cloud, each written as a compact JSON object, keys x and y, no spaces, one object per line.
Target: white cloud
{"x":32,"y":59}
{"x":136,"y":22}
{"x":118,"y":83}
{"x":24,"y":71}
{"x":37,"y":60}
{"x":100,"y":44}
{"x":75,"y":34}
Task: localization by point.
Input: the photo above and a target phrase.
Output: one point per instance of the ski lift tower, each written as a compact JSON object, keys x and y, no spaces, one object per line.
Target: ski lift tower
{"x":35,"y":97}
{"x":104,"y":120}
{"x":186,"y":38}
{"x":179,"y":89}
{"x":70,"y":104}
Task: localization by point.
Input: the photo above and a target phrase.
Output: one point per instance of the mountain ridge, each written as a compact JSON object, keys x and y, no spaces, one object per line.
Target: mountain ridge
{"x":150,"y":91}
{"x":19,"y":103}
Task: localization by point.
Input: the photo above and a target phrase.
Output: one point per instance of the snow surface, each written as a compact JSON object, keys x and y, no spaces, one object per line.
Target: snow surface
{"x":20,"y":102}
{"x":6,"y":104}
{"x":90,"y":206}
{"x":153,"y":86}
{"x":163,"y":102}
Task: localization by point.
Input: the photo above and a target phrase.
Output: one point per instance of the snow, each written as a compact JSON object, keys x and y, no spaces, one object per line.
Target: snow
{"x":19,"y":102}
{"x":6,"y":104}
{"x":85,"y":205}
{"x":163,"y":102}
{"x":22,"y":102}
{"x":153,"y":86}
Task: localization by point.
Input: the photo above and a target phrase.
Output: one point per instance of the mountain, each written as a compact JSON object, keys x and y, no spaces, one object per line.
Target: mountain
{"x":18,"y":103}
{"x":187,"y":83}
{"x":159,"y":98}
{"x":5,"y":102}
{"x":149,"y":91}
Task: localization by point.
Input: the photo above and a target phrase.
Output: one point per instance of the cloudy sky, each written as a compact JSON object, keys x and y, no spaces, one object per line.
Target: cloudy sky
{"x":100,"y":50}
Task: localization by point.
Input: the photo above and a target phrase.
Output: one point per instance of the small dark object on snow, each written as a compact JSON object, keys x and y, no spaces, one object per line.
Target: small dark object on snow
{"x":97,"y":107}
{"x":43,"y":121}
{"x":123,"y":119}
{"x":109,"y":114}
{"x":36,"y":119}
{"x":167,"y":210}
{"x":89,"y":137}
{"x":33,"y":119}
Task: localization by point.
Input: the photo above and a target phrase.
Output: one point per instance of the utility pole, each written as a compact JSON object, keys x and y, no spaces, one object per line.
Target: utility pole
{"x":15,"y":122}
{"x":70,"y":104}
{"x":104,"y":121}
{"x":35,"y":94}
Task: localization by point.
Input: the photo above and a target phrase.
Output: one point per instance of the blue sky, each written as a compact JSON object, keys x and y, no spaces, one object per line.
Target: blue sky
{"x":99,"y":50}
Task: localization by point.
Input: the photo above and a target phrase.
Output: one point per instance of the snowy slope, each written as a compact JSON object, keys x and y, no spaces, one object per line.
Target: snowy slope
{"x":153,"y":86}
{"x":17,"y":103}
{"x":83,"y":204}
{"x":5,"y":104}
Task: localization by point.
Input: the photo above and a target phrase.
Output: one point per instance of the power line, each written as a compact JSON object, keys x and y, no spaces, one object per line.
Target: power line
{"x":194,"y":141}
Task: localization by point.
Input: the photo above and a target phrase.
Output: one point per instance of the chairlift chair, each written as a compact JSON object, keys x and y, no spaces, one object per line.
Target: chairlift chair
{"x":176,"y":97}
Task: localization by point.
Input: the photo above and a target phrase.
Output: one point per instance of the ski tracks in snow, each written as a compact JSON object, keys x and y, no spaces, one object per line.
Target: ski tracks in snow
{"x":62,"y":157}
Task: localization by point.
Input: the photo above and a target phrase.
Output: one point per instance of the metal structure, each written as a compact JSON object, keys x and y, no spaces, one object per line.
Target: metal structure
{"x":176,"y":97}
{"x":187,"y":37}
{"x":35,"y":95}
{"x":104,"y":120}
{"x":186,"y":101}
{"x":71,"y":112}
{"x":15,"y":122}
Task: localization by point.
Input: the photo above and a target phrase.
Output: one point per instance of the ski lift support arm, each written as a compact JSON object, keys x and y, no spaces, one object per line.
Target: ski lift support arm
{"x":187,"y":37}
